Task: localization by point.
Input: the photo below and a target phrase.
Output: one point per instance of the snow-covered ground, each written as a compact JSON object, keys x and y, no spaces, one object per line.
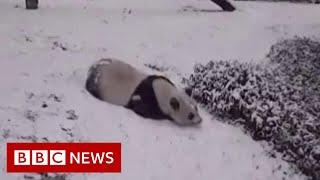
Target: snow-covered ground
{"x":44,"y":56}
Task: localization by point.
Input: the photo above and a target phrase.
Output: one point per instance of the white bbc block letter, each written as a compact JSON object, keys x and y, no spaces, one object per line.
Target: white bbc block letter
{"x":39,"y":157}
{"x":21,"y":157}
{"x":58,"y":157}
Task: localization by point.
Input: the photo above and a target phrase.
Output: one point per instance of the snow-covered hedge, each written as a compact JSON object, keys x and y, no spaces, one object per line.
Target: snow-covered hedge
{"x":298,"y":62}
{"x":278,"y":102}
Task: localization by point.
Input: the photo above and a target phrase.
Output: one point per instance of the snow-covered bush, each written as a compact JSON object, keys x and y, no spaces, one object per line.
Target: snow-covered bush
{"x":298,"y":59}
{"x":278,"y":102}
{"x":298,"y":62}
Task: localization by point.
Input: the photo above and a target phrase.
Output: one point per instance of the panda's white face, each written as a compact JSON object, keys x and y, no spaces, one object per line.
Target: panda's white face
{"x":184,"y":111}
{"x":180,"y":107}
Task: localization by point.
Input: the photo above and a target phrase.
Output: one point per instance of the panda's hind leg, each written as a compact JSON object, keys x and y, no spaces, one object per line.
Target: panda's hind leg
{"x":92,"y":83}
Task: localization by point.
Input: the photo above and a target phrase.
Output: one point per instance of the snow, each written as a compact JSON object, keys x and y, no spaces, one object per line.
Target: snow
{"x":45,"y":55}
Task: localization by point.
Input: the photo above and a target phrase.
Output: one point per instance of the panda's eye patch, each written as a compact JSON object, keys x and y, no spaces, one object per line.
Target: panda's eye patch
{"x":190,"y":116}
{"x":174,"y":103}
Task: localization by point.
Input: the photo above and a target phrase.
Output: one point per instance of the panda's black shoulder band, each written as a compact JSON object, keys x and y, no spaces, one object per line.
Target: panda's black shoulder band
{"x":144,"y":101}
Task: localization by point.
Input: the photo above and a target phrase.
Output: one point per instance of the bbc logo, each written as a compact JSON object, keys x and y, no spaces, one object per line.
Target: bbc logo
{"x":64,"y":157}
{"x":39,"y":157}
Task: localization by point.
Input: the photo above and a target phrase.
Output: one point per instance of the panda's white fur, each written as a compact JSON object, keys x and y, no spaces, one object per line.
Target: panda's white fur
{"x":115,"y":82}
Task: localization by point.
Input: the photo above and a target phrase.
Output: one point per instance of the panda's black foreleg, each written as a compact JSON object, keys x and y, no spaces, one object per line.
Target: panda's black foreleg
{"x":225,"y":5}
{"x":139,"y":107}
{"x":146,"y":107}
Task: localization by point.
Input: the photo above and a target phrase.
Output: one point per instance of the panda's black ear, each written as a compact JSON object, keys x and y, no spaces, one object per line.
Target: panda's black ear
{"x":174,"y":103}
{"x":188,"y":91}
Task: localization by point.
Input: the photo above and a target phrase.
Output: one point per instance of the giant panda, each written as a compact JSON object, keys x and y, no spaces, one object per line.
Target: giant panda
{"x":150,"y":96}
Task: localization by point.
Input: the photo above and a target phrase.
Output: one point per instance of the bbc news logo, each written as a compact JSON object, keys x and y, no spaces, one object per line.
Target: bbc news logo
{"x":40,"y":157}
{"x":64,"y":157}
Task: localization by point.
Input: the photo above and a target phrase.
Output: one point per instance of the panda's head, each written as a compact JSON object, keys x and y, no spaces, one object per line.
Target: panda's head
{"x":175,"y":103}
{"x":183,"y":110}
